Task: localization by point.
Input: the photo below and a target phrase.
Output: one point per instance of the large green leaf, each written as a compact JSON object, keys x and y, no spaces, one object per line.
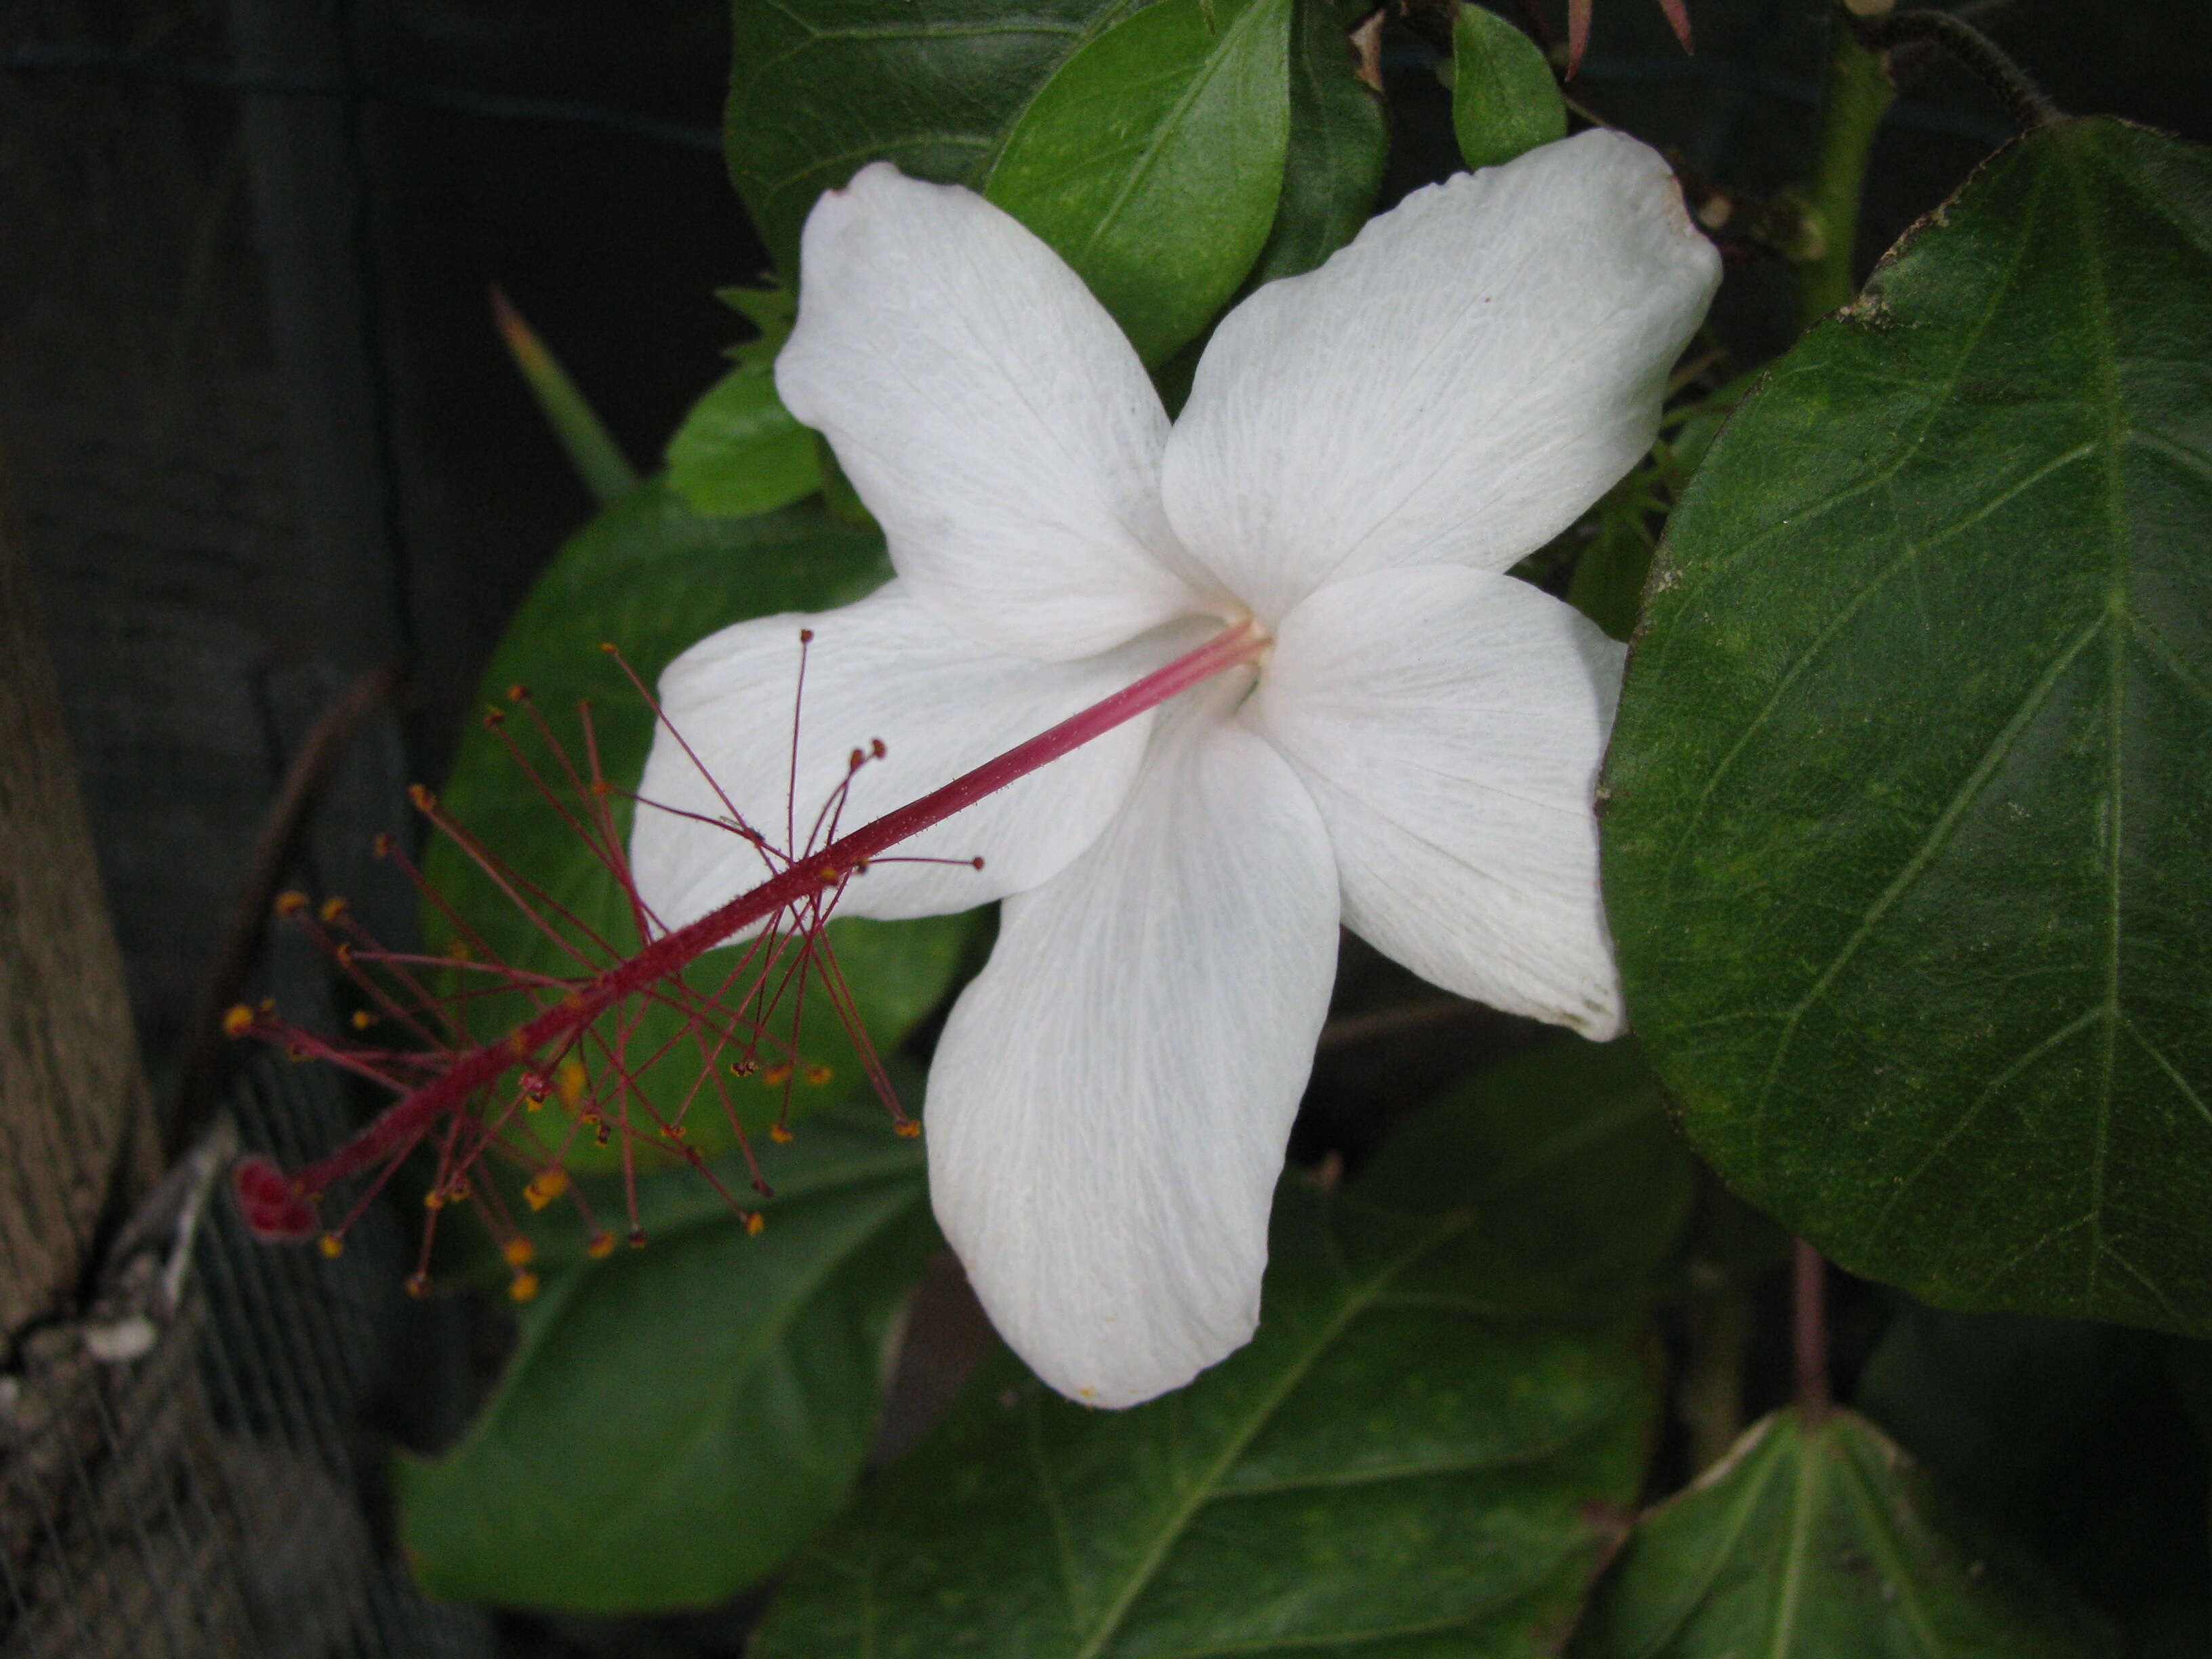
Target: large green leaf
{"x":818,"y":88}
{"x":1152,"y":160}
{"x":1581,"y":1191}
{"x":1387,"y":1467}
{"x":1820,"y":1540}
{"x":1912,"y":782}
{"x":652,"y":577}
{"x":676,"y":1420}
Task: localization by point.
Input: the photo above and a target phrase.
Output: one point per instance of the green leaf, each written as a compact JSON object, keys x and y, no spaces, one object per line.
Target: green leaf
{"x":1340,"y":139}
{"x":739,"y":451}
{"x":652,"y":577}
{"x":1504,"y":100}
{"x":676,"y":1420}
{"x":818,"y":88}
{"x":592,"y":451}
{"x":1386,"y":1467}
{"x":1913,"y":780}
{"x":1820,"y":1540}
{"x":772,"y":311}
{"x":1151,"y":162}
{"x":1581,"y":1192}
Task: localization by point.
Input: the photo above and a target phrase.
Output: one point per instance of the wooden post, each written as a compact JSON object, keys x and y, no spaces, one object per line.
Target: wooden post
{"x":78,"y":1139}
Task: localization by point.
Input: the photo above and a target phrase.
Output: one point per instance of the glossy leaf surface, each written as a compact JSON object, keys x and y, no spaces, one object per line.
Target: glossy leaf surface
{"x":1912,"y":779}
{"x":677,"y":1419}
{"x":1388,"y":1468}
{"x":1822,"y":1540}
{"x":1152,"y":160}
{"x":1504,"y":101}
{"x":818,"y":88}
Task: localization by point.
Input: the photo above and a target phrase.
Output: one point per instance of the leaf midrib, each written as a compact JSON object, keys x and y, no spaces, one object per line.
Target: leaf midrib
{"x":1201,"y":1490}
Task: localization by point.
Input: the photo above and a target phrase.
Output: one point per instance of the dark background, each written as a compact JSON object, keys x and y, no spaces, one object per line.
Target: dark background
{"x":260,"y":436}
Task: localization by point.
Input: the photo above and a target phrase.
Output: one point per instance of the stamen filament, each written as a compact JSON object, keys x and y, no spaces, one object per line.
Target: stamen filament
{"x":798,"y":884}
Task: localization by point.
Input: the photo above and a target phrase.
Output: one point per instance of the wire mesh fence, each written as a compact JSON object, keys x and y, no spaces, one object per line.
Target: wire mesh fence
{"x":183,"y":1469}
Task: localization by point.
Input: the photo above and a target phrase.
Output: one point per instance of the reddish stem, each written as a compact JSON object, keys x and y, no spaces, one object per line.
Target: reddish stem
{"x":796,"y":883}
{"x":1809,"y":1330}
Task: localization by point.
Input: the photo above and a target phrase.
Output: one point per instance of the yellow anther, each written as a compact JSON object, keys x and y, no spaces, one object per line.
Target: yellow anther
{"x":544,"y":1187}
{"x":776,"y":1076}
{"x":331,"y":1245}
{"x":334,"y":908}
{"x":674,"y":1132}
{"x":457,"y":950}
{"x":754,"y":1223}
{"x":909,"y":1127}
{"x":237,"y":1020}
{"x":291,"y":902}
{"x":779,"y":1133}
{"x":571,"y":1079}
{"x":818,"y":1075}
{"x":362,"y":1019}
{"x":423,"y":799}
{"x":458,"y":1188}
{"x":380,"y":846}
{"x":434,"y":1200}
{"x":744,"y":1067}
{"x":522,"y":1286}
{"x":599,"y":1245}
{"x":518,"y":692}
{"x":418,"y":1286}
{"x":519,"y":1252}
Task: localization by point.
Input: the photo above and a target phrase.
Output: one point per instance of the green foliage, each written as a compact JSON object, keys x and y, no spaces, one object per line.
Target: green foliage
{"x":818,"y":88}
{"x":1340,"y":139}
{"x":1580,"y":1191}
{"x":652,"y":577}
{"x":1504,"y":100}
{"x":1147,"y":143}
{"x":1389,"y":1466}
{"x":1818,"y":1539}
{"x":1912,"y":782}
{"x":1152,"y":160}
{"x":1610,"y":571}
{"x":676,"y":1420}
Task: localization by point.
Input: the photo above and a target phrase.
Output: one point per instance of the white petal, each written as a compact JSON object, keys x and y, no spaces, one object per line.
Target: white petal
{"x":990,"y":413}
{"x":1449,"y":724}
{"x":1454,"y":387}
{"x":883,"y":668}
{"x":1108,"y":1105}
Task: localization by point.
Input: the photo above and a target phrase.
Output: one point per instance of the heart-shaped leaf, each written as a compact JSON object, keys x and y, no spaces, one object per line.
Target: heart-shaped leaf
{"x":1820,"y":1540}
{"x":1387,"y":1467}
{"x":1913,"y":780}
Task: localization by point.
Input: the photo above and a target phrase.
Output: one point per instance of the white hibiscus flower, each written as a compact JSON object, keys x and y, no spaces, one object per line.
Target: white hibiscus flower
{"x":1409,"y":750}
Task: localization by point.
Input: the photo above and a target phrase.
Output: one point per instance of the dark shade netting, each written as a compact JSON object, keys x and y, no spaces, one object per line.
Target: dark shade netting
{"x":184,"y":1469}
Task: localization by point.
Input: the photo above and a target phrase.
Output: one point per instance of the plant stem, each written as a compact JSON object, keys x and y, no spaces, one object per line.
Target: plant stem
{"x":1809,"y":1330}
{"x":1854,"y":97}
{"x":1968,"y":45}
